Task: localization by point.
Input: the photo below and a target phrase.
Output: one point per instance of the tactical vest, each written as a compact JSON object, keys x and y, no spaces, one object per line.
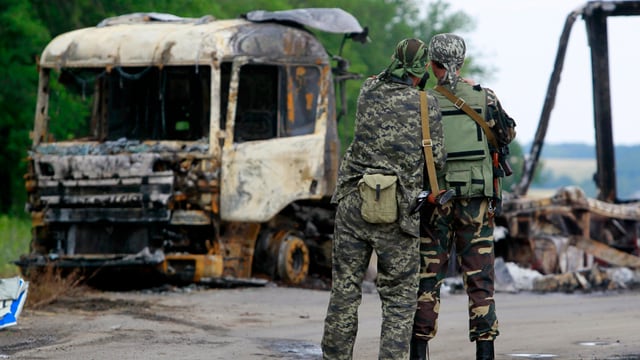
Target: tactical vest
{"x":468,"y":170}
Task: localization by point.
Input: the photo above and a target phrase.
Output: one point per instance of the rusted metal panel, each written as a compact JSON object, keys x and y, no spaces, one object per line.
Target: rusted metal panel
{"x":159,"y":44}
{"x":137,"y":45}
{"x":190,"y":217}
{"x":42,"y":108}
{"x":627,"y":211}
{"x":204,"y":267}
{"x":260,"y":178}
{"x":607,"y":253}
{"x":238,"y":246}
{"x":114,"y":167}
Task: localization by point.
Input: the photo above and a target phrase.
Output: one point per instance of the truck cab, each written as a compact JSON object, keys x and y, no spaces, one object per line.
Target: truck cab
{"x":204,"y":149}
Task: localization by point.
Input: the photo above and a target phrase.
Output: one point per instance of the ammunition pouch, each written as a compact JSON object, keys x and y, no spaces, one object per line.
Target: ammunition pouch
{"x":379,"y":201}
{"x":469,"y":178}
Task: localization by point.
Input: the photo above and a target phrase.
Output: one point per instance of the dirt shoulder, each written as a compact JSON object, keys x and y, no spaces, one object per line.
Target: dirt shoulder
{"x":286,"y":323}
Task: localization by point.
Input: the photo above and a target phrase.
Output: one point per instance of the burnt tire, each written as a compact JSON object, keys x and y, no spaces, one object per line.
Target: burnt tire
{"x":293,"y":260}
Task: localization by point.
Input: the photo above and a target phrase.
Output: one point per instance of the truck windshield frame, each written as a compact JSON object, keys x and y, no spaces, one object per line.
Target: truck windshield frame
{"x":136,"y":103}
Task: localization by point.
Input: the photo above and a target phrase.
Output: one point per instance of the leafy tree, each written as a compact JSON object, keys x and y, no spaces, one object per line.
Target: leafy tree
{"x":21,"y":39}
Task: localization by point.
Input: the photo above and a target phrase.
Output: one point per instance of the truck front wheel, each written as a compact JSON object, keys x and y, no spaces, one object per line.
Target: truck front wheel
{"x":293,"y":260}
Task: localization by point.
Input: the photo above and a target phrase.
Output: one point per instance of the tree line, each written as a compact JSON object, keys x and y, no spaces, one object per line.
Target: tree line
{"x":26,"y":26}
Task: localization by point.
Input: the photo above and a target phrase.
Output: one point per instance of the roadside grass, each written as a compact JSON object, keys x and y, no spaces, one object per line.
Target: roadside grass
{"x":49,"y":284}
{"x":15,"y":235}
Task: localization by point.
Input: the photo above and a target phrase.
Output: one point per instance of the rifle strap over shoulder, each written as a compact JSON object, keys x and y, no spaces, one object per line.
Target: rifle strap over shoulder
{"x":460,"y":104}
{"x":427,"y":144}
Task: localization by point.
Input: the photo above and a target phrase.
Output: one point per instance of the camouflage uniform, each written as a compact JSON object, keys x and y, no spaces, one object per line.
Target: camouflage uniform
{"x":387,"y":140}
{"x":463,"y":223}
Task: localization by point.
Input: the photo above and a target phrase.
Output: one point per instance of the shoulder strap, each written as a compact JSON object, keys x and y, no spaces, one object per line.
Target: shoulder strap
{"x":460,"y":104}
{"x":427,"y":143}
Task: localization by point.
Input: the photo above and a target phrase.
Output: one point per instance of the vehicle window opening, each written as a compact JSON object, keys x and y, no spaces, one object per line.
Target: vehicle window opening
{"x":153,"y":104}
{"x":303,"y":91}
{"x":136,"y":103}
{"x":257,"y":108}
{"x":267,"y":110}
{"x":72,"y":98}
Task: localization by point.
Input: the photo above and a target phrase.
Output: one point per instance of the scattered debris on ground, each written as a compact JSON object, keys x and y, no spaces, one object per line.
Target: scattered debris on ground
{"x":13,"y":294}
{"x":512,"y":278}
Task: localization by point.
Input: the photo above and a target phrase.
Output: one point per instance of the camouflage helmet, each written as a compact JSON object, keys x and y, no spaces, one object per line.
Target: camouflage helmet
{"x":449,"y":50}
{"x":410,"y":56}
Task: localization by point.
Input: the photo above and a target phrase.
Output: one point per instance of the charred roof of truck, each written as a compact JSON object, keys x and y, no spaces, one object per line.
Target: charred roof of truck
{"x":157,"y":39}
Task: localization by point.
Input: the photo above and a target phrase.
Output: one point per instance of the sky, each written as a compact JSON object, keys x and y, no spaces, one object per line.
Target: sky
{"x":518,"y":39}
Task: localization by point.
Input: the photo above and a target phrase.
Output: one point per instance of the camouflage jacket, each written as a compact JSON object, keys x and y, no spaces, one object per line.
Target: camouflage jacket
{"x":388,"y":140}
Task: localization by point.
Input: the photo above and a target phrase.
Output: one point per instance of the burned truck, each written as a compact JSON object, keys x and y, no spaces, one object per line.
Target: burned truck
{"x":204,"y":150}
{"x":569,"y":232}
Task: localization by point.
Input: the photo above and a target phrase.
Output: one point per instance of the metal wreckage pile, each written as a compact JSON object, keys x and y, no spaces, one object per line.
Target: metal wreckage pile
{"x":566,"y":245}
{"x":573,"y":241}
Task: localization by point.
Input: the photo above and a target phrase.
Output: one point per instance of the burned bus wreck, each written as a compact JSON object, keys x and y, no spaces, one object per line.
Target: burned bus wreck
{"x":204,"y":150}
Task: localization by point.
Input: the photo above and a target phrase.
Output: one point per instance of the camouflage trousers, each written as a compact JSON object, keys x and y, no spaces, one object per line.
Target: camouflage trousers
{"x":463,"y":222}
{"x":397,"y":282}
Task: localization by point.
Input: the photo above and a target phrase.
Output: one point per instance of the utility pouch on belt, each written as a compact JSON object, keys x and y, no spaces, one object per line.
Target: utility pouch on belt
{"x":379,"y":203}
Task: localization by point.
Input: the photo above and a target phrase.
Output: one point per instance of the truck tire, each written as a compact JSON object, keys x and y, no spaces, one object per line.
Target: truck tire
{"x":293,"y":260}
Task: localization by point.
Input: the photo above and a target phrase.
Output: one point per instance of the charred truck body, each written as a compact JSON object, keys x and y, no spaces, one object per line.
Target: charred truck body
{"x":208,"y":149}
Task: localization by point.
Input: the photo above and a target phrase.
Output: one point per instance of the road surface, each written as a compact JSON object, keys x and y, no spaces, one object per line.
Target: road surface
{"x":286,"y":323}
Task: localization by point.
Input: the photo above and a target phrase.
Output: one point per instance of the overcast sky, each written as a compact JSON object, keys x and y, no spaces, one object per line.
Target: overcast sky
{"x":519,"y":39}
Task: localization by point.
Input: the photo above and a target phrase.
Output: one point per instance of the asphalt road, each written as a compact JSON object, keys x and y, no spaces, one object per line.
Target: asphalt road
{"x":286,"y":323}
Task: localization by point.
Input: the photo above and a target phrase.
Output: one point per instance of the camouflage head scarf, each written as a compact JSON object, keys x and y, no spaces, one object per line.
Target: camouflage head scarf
{"x":449,"y":50}
{"x":409,"y":57}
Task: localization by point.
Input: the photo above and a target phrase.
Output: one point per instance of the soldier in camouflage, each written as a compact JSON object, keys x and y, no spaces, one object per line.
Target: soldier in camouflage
{"x":464,"y":223}
{"x":387,"y":140}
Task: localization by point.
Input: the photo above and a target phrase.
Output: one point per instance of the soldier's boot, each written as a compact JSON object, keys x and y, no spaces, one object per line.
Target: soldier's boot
{"x":484,"y":350}
{"x":419,"y":349}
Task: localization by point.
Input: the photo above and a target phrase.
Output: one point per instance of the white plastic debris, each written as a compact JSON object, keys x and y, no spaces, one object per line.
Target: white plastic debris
{"x":13,"y":294}
{"x":512,"y":278}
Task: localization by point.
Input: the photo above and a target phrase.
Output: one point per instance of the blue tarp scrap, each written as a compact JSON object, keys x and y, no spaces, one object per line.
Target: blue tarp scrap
{"x":13,"y":294}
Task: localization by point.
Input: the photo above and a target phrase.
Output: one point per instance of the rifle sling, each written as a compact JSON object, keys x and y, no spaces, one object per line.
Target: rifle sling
{"x":427,"y":144}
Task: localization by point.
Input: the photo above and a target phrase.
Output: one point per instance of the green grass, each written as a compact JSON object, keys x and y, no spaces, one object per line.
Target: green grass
{"x":15,"y":235}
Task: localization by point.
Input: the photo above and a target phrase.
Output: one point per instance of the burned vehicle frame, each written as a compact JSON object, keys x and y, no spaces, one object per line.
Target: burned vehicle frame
{"x":206,"y":150}
{"x":569,"y":231}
